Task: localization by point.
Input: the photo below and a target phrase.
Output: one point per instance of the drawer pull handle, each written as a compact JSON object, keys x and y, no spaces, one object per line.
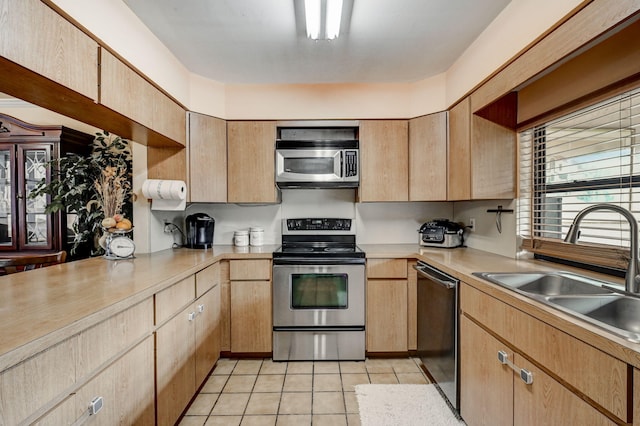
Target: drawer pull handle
{"x":94,"y":407}
{"x":525,"y":375}
{"x":192,"y":316}
{"x":200,"y":309}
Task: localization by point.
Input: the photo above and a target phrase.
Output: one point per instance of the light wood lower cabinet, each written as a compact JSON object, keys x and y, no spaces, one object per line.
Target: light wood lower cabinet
{"x":572,"y":382}
{"x":387,"y":328}
{"x":251,"y":317}
{"x":126,"y":388}
{"x":187,"y":345}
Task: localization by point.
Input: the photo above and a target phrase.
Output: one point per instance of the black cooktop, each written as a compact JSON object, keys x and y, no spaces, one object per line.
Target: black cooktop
{"x":319,"y":249}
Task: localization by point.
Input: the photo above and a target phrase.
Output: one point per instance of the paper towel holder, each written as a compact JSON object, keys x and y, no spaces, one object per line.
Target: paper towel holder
{"x":165,"y":195}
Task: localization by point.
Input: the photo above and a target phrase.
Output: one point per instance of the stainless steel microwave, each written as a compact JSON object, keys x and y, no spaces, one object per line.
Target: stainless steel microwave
{"x":317,"y":164}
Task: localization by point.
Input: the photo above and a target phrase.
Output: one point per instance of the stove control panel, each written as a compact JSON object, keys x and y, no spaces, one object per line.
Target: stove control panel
{"x":319,"y":224}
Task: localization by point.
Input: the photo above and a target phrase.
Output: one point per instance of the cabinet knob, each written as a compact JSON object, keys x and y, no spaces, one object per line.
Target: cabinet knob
{"x":192,"y":316}
{"x":200,"y":309}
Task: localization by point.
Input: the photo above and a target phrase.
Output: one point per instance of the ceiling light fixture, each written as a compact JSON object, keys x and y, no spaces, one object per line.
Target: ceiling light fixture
{"x":323,"y":22}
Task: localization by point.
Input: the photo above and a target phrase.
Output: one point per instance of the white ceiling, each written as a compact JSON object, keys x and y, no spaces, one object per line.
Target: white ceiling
{"x":257,"y":41}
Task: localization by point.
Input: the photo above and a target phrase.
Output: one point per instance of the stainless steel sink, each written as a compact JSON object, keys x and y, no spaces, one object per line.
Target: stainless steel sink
{"x":616,"y":313}
{"x":546,"y":283}
{"x":579,"y":296}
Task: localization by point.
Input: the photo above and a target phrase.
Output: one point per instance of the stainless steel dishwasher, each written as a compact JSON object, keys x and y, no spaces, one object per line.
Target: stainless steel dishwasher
{"x":438,"y":329}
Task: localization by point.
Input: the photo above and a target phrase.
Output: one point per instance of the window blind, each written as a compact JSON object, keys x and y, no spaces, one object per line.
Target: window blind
{"x":588,"y":157}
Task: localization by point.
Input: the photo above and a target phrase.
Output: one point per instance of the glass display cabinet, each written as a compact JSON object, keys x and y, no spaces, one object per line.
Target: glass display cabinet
{"x":25,"y":151}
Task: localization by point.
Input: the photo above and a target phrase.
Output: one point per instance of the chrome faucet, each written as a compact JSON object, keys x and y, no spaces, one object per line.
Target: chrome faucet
{"x":632,"y":277}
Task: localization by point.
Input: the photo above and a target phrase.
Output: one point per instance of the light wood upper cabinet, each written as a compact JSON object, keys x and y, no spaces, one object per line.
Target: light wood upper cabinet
{"x":481,"y":157}
{"x":251,"y":162}
{"x":428,"y":157}
{"x":384,"y":155}
{"x":125,"y":91}
{"x":36,"y":37}
{"x":493,"y":160}
{"x":459,"y":152}
{"x":207,"y":158}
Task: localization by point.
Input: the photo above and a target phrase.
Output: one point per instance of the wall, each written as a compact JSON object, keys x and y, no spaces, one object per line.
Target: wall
{"x":486,"y":236}
{"x":376,"y":223}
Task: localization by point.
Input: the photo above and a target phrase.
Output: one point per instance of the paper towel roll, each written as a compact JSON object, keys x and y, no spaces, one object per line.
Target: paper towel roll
{"x":165,"y":194}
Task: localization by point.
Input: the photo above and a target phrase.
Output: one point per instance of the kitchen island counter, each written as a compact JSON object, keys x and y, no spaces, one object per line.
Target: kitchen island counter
{"x":42,"y":307}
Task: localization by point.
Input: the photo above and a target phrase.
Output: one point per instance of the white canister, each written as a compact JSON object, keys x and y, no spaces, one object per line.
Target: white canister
{"x":257,"y":236}
{"x":241,"y":238}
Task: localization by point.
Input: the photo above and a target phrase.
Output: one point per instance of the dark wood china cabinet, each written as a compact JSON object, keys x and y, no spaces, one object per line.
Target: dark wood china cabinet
{"x":25,"y":150}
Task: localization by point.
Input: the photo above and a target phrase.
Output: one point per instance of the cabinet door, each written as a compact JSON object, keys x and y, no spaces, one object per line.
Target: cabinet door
{"x":35,"y":227}
{"x":8,"y":206}
{"x":251,"y":317}
{"x":207,"y":333}
{"x":386,"y":323}
{"x":175,"y":366}
{"x":493,"y":164}
{"x":459,"y":152}
{"x":384,"y":159}
{"x":486,"y":385}
{"x":36,"y":37}
{"x":547,"y":402}
{"x":127,"y":389}
{"x":207,"y":158}
{"x":428,"y":158}
{"x":251,"y":167}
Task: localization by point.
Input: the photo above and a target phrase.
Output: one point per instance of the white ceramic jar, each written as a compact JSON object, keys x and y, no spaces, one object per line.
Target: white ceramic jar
{"x":256,"y":236}
{"x":241,"y":238}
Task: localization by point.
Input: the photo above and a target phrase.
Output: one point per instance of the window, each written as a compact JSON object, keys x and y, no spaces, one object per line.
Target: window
{"x":588,"y":157}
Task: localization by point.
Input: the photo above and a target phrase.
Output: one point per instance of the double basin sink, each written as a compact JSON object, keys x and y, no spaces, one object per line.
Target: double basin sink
{"x":591,"y":300}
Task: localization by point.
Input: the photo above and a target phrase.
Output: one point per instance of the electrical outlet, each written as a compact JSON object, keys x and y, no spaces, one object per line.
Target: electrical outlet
{"x":472,"y":224}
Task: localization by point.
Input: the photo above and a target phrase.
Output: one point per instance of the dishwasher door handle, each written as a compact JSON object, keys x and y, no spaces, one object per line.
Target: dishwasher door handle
{"x":425,"y":273}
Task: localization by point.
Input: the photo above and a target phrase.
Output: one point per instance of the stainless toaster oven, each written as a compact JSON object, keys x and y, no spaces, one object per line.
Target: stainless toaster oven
{"x":441,"y":233}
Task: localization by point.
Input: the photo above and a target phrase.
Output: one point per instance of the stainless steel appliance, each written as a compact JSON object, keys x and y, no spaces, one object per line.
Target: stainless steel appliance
{"x":317,"y":157}
{"x":438,"y":329}
{"x":318,"y":292}
{"x":200,"y":227}
{"x":441,"y":233}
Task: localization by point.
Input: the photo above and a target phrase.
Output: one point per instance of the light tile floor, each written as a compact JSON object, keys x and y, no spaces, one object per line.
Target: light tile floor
{"x":263,"y":392}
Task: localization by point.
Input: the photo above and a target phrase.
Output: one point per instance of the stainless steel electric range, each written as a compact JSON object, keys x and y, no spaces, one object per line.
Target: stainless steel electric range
{"x":318,"y":292}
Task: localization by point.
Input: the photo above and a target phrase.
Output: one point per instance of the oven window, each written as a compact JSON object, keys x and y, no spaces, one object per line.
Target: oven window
{"x":310,"y":165}
{"x":313,"y":291}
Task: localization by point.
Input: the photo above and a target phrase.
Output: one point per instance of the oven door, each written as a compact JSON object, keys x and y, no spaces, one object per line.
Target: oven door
{"x":318,"y":295}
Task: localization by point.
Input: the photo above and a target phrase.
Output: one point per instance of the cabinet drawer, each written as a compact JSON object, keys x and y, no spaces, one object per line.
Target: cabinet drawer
{"x":36,"y":381}
{"x":170,"y":300}
{"x":107,"y":339}
{"x":207,"y":279}
{"x":387,"y":268}
{"x":252,"y":269}
{"x":590,"y":371}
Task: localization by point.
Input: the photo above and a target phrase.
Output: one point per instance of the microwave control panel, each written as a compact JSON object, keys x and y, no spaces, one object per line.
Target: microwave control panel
{"x":350,"y":163}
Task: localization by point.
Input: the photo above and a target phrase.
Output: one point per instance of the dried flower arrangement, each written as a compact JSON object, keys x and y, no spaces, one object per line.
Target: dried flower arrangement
{"x":94,"y":188}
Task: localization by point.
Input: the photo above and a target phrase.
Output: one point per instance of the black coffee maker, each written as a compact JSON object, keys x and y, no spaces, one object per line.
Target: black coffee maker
{"x":200,"y":231}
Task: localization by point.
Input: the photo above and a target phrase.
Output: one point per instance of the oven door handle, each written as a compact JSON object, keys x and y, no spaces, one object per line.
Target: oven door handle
{"x":327,"y":261}
{"x":426,"y":273}
{"x":321,"y":329}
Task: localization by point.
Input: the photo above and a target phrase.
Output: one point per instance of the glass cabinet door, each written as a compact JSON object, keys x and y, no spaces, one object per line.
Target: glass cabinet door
{"x":7,"y":182}
{"x":35,"y":226}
